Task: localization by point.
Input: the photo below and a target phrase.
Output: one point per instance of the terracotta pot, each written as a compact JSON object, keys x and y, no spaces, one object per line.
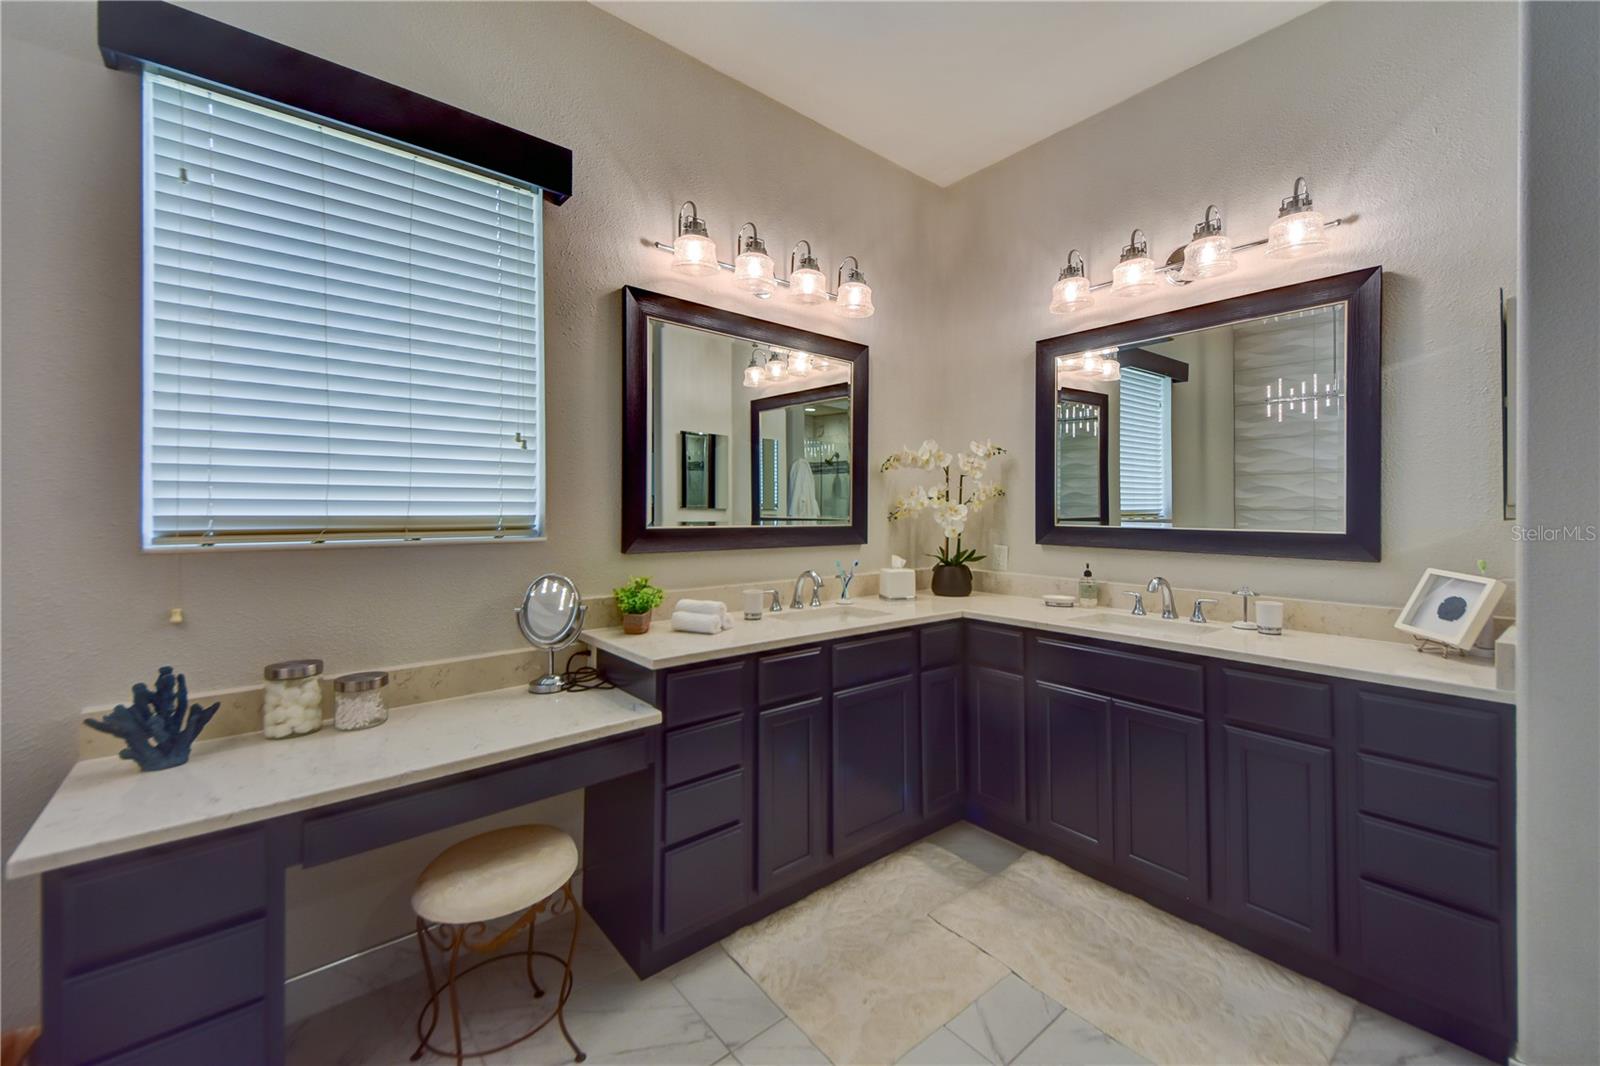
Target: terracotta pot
{"x":951,"y":580}
{"x":636,"y":623}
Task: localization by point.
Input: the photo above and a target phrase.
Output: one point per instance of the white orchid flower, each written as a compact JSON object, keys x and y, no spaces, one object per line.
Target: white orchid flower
{"x":973,"y":466}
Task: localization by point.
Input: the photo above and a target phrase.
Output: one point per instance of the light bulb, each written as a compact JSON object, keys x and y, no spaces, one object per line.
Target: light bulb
{"x":1135,"y":273}
{"x":854,"y":296}
{"x":1071,"y":290}
{"x":1210,"y":254}
{"x":752,"y":267}
{"x":752,"y":374}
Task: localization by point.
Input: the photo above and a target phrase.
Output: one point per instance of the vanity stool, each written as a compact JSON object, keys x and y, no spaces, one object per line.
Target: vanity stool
{"x":468,"y":885}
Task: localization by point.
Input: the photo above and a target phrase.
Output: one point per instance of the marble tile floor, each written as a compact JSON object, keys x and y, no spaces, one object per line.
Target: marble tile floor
{"x":705,"y":1010}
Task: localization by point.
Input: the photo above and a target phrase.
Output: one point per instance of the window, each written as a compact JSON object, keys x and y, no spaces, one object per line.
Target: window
{"x":343,"y":338}
{"x":1144,"y":446}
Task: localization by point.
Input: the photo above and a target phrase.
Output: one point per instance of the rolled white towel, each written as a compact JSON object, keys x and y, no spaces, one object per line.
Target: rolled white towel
{"x":716,"y":607}
{"x":691,"y":622}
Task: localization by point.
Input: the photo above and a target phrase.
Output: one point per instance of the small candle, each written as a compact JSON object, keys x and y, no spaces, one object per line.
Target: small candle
{"x":1269,"y":617}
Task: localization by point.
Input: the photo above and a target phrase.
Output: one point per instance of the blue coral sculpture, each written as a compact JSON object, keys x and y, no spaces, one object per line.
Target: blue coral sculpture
{"x":154,"y":729}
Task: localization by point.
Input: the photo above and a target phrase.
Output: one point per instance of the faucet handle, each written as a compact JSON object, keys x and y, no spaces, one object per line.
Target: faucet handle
{"x":1138,"y":601}
{"x":1199,"y":609}
{"x":777,"y":602}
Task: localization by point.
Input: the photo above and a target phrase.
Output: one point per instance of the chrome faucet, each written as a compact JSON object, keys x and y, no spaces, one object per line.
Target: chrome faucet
{"x":816,"y":589}
{"x":1168,"y":608}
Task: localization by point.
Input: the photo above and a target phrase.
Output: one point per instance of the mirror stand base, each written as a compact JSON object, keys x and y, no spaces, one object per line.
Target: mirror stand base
{"x":547,"y":684}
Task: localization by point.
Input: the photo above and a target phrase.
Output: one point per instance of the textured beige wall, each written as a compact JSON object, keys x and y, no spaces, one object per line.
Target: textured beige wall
{"x":1372,"y":103}
{"x":85,"y":611}
{"x":1404,"y":114}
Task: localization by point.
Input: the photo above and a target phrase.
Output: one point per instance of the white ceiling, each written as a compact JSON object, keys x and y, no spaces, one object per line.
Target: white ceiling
{"x":946,"y":89}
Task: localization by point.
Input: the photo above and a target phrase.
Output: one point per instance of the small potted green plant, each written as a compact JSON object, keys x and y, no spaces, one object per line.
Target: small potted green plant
{"x":636,"y":600}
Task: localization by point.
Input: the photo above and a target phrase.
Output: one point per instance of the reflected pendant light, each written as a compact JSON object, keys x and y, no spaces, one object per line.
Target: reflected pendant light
{"x":777,"y":367}
{"x":1071,"y":291}
{"x":807,"y":283}
{"x":752,"y":373}
{"x":855,"y":296}
{"x":752,"y":266}
{"x":1209,"y":254}
{"x":801,"y":364}
{"x":1135,"y":272}
{"x":1299,"y":229}
{"x":693,"y":253}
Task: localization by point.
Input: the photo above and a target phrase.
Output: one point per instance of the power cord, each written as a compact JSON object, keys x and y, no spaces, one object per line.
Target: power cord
{"x":584,"y":678}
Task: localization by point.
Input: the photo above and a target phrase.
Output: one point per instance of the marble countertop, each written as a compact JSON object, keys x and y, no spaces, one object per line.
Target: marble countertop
{"x":1357,"y":658}
{"x":108,"y":807}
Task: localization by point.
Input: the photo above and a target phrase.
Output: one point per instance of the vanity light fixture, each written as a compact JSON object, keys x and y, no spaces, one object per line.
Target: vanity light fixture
{"x":1071,"y":290}
{"x":1135,"y":272}
{"x":693,"y":252}
{"x":854,"y":295}
{"x":1099,"y":363}
{"x":1299,"y":230}
{"x":801,"y":364}
{"x":752,"y":373}
{"x":777,"y":366}
{"x":807,"y":283}
{"x":752,"y":266}
{"x":1209,"y":254}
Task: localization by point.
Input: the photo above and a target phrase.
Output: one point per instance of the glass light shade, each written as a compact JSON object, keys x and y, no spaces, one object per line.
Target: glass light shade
{"x":777,"y":368}
{"x":1091,"y":363}
{"x":752,"y":376}
{"x":752,"y":272}
{"x":808,"y":286}
{"x":819,"y":364}
{"x":855,"y":300}
{"x":800,"y":364}
{"x":1110,"y":368}
{"x":1296,"y":235}
{"x":694,"y":254}
{"x":1131,"y":277}
{"x":1069,"y":363}
{"x":1070,"y":294}
{"x":1208,"y":257}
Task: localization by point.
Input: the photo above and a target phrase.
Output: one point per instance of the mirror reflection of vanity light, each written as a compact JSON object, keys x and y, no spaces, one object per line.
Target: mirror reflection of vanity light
{"x":1299,"y":230}
{"x":800,"y":364}
{"x":1210,"y":254}
{"x":1072,"y":289}
{"x":693,"y":252}
{"x":1135,"y":272}
{"x":1099,"y":363}
{"x":807,"y":283}
{"x":752,"y":267}
{"x":752,"y":373}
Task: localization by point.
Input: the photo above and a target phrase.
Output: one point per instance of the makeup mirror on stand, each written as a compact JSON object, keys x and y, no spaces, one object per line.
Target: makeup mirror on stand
{"x":551,"y":618}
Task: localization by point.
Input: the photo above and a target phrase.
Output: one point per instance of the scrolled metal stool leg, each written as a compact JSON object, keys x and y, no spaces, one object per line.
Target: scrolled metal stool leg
{"x":538,"y":993}
{"x":571,"y":902}
{"x":430,"y":1008}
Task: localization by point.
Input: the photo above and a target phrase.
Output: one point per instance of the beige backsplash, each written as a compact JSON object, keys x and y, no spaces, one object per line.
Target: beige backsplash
{"x":420,"y":682}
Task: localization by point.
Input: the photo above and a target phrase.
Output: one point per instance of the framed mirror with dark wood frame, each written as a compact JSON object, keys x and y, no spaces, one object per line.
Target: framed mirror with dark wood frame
{"x":1248,"y":426}
{"x":738,"y":432}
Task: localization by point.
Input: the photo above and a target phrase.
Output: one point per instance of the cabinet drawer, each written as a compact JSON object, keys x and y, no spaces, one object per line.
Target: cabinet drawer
{"x":1449,"y":735}
{"x":995,"y":646}
{"x":1145,"y":678}
{"x":1452,"y":959}
{"x":109,"y":1009}
{"x":1431,"y":799}
{"x":790,"y":677}
{"x":706,"y":692}
{"x":238,"y":1038}
{"x":693,"y":809}
{"x":941,"y":644}
{"x":1277,"y":704}
{"x":704,"y":749}
{"x":703,"y":880}
{"x":1449,"y":871}
{"x":233,"y":868}
{"x":861,"y":662}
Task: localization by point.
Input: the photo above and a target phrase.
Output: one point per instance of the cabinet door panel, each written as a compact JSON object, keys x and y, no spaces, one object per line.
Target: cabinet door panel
{"x":1073,"y":768}
{"x":791,"y":792}
{"x":1278,"y":821}
{"x":1160,"y":810}
{"x":943,"y":739}
{"x":996,"y":723}
{"x":875,"y":762}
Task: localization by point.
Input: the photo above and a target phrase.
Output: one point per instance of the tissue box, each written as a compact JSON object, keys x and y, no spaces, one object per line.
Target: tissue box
{"x":897,"y":583}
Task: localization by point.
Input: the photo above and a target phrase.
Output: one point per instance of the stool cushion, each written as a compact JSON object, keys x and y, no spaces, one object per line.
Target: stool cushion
{"x":494,"y":873}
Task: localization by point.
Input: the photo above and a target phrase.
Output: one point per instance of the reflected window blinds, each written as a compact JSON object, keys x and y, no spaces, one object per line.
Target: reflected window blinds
{"x":1144,"y":446}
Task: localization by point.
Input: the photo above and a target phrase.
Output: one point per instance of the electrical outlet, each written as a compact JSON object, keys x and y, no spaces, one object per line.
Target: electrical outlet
{"x":1001,"y":556}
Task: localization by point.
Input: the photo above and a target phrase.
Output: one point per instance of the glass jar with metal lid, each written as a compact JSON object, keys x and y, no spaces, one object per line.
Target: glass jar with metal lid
{"x":358,"y":700}
{"x":292,"y":704}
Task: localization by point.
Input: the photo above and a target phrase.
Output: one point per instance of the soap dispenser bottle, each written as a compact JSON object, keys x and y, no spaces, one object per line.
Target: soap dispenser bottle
{"x":1088,"y":590}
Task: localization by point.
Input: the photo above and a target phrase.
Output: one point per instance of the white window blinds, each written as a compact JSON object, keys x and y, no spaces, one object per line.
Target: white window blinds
{"x":342,"y":337}
{"x":1144,"y":446}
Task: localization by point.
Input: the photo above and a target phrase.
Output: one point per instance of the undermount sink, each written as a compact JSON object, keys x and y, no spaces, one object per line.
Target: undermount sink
{"x":842,"y":612}
{"x":1125,"y":623}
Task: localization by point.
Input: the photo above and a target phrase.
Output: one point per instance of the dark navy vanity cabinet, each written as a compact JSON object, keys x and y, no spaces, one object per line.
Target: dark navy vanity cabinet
{"x":1358,"y":833}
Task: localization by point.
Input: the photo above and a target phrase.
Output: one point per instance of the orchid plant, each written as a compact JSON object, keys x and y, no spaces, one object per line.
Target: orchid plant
{"x":950,"y":509}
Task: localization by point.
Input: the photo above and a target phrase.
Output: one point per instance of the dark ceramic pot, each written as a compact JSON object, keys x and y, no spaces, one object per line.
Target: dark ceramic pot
{"x":951,"y":580}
